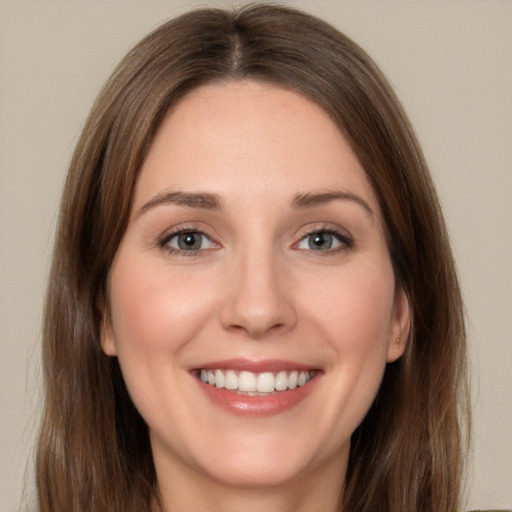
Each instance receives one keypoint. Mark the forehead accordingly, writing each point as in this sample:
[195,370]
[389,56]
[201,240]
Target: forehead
[249,138]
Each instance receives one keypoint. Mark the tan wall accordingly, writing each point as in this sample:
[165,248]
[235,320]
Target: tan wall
[451,62]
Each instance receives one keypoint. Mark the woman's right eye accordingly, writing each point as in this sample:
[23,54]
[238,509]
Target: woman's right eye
[188,241]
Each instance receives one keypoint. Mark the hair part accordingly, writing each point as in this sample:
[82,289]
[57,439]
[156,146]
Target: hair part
[94,451]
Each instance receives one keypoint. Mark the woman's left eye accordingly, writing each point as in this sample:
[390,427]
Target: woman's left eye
[188,241]
[324,241]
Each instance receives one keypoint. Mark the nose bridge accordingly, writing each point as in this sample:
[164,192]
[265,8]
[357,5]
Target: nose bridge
[257,300]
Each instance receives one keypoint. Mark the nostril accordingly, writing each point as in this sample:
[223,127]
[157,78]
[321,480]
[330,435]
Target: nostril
[257,306]
[257,332]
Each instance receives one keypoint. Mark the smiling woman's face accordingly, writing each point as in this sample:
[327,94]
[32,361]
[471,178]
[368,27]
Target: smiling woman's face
[255,260]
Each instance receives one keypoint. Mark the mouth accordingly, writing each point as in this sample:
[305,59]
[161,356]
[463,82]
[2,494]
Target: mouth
[255,384]
[256,388]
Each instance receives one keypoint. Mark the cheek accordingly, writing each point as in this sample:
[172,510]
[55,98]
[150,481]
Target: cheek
[155,314]
[154,310]
[355,308]
[354,312]
[348,315]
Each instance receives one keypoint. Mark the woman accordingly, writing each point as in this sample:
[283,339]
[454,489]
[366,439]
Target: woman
[253,303]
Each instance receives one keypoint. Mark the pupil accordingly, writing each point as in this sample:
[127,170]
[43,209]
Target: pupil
[189,241]
[321,240]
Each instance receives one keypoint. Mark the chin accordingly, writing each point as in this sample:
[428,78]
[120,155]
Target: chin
[265,472]
[265,462]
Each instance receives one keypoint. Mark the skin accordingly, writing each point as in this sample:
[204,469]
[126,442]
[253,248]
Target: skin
[255,289]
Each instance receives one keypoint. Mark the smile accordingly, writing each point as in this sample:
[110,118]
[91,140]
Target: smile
[255,384]
[256,388]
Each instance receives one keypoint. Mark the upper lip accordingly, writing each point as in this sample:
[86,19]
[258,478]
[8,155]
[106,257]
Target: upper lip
[254,366]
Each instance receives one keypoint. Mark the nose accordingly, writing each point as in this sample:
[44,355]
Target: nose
[258,297]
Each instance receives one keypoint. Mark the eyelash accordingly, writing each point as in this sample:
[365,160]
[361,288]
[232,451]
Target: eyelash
[163,243]
[345,240]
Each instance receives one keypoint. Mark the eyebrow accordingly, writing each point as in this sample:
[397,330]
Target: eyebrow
[311,199]
[210,201]
[204,200]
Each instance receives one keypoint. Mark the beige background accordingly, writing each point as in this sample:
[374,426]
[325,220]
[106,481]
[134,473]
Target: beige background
[451,62]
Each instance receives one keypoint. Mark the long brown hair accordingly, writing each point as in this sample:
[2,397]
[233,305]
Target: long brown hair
[94,452]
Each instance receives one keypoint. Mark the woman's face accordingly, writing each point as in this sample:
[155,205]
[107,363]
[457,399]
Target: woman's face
[255,260]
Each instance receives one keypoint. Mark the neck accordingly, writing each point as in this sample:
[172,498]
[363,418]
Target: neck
[189,491]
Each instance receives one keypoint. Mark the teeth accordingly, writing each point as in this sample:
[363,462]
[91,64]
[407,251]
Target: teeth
[254,383]
[219,379]
[281,381]
[265,383]
[292,380]
[246,381]
[231,381]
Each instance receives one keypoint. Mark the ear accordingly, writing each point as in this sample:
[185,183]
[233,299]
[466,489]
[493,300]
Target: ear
[108,344]
[400,326]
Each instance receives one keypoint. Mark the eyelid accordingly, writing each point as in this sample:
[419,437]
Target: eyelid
[164,239]
[344,238]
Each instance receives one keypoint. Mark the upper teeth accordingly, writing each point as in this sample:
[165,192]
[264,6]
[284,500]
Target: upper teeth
[265,382]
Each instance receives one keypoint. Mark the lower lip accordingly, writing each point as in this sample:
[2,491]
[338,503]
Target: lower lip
[267,405]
